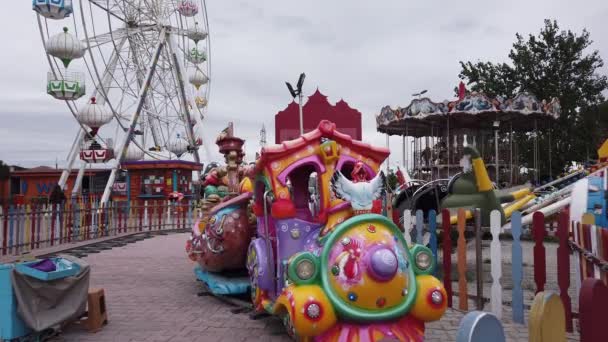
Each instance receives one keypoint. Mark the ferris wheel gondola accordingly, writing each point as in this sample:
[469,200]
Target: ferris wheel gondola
[135,56]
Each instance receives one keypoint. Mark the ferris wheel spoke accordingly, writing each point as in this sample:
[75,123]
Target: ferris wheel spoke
[180,83]
[104,5]
[127,137]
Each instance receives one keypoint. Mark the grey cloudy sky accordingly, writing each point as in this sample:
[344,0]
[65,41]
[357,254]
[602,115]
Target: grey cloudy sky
[371,53]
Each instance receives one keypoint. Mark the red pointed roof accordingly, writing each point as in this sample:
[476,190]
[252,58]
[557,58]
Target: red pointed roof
[317,108]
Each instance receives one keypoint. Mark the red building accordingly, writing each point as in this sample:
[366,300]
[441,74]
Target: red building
[317,108]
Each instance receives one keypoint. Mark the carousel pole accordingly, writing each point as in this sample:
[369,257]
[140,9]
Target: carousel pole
[511,151]
[447,145]
[388,158]
[550,170]
[535,152]
[407,148]
[496,169]
[403,149]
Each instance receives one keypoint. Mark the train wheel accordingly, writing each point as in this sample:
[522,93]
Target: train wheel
[289,328]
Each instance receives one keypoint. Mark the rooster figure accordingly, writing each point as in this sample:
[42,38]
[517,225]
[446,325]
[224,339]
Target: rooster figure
[361,194]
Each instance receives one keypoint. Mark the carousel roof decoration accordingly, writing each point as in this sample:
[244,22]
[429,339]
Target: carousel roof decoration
[178,146]
[196,34]
[53,9]
[474,111]
[196,56]
[94,115]
[198,78]
[65,46]
[65,85]
[187,8]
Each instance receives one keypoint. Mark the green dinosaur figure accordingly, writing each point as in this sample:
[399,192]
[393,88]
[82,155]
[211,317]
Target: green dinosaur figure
[473,189]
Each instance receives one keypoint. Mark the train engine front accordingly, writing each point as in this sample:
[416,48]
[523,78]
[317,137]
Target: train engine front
[325,260]
[362,283]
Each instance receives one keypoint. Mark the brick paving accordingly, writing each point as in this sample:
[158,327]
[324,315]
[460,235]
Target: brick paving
[151,295]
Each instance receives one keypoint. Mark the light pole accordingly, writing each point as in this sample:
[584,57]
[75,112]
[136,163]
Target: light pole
[298,92]
[420,93]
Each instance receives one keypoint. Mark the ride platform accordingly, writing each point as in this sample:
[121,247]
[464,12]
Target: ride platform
[223,284]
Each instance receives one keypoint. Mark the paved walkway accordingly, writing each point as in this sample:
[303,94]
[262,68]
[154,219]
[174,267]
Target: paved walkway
[151,295]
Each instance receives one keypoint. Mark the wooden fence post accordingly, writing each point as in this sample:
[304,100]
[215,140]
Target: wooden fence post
[478,261]
[496,264]
[517,269]
[4,216]
[593,300]
[407,226]
[419,226]
[540,268]
[447,254]
[433,236]
[463,301]
[563,267]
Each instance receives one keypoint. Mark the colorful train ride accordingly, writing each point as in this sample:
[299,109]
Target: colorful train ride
[324,259]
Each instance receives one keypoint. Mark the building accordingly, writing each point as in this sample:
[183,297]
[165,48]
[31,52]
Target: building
[317,108]
[154,179]
[29,186]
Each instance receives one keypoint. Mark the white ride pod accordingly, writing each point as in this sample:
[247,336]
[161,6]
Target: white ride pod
[53,9]
[196,34]
[65,85]
[178,146]
[65,46]
[198,78]
[94,115]
[196,56]
[187,8]
[133,153]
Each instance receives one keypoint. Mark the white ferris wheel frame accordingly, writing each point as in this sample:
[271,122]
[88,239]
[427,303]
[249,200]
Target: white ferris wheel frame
[119,37]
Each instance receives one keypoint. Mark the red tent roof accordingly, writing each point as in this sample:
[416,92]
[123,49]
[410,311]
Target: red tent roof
[317,108]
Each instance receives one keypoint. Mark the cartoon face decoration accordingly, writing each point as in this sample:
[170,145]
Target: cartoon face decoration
[362,260]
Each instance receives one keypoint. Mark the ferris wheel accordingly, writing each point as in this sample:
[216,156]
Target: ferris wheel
[121,66]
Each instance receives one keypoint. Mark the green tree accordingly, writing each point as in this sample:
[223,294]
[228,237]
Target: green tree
[554,63]
[4,171]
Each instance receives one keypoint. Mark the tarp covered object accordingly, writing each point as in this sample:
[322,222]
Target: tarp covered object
[43,304]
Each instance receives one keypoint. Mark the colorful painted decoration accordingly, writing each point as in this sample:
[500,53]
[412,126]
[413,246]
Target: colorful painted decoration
[66,86]
[94,115]
[96,155]
[478,326]
[198,78]
[178,146]
[187,8]
[65,46]
[196,34]
[196,56]
[53,9]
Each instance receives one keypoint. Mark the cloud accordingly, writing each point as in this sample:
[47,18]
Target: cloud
[370,54]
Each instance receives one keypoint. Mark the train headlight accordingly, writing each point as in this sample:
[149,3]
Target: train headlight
[423,260]
[305,269]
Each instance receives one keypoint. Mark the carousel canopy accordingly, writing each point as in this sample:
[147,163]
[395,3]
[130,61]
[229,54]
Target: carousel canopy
[474,111]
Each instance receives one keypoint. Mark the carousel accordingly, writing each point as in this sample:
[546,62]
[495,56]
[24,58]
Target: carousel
[438,132]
